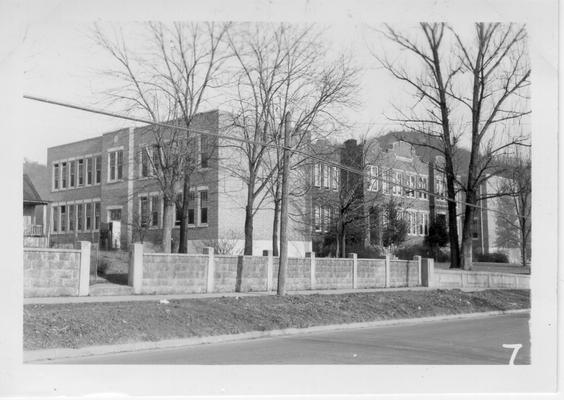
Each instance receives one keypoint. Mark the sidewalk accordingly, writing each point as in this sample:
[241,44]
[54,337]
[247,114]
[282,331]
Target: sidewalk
[157,297]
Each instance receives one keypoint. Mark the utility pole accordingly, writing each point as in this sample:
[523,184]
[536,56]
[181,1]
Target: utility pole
[283,261]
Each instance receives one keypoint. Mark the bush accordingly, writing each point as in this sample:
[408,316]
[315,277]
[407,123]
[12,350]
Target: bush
[492,257]
[408,252]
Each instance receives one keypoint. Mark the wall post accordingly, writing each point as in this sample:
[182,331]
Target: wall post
[312,265]
[269,268]
[428,272]
[135,276]
[354,270]
[418,260]
[84,272]
[387,271]
[210,271]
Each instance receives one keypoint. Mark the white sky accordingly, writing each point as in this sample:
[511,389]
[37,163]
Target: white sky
[62,62]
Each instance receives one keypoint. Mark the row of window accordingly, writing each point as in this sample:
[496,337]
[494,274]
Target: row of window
[326,176]
[76,217]
[398,183]
[417,221]
[76,173]
[150,157]
[150,209]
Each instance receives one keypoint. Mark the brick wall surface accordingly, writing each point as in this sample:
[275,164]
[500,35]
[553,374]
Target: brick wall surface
[49,272]
[477,279]
[174,273]
[334,273]
[371,273]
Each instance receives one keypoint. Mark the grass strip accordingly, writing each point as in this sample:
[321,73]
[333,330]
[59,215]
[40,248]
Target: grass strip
[88,324]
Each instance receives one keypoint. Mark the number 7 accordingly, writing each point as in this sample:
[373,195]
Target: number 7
[515,348]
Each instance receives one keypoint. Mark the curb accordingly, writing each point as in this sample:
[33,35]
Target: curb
[58,354]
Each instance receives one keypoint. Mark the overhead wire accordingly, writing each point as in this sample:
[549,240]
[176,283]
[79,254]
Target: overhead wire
[265,144]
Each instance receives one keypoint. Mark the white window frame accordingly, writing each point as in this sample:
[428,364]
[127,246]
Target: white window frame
[115,151]
[373,184]
[317,175]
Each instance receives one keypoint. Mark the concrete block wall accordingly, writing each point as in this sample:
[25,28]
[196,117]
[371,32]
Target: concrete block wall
[252,272]
[334,273]
[371,273]
[403,273]
[298,274]
[444,279]
[225,273]
[56,272]
[174,273]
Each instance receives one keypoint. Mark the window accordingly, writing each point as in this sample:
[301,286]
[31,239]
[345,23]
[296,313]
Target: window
[63,218]
[398,179]
[149,155]
[115,161]
[72,180]
[56,218]
[317,218]
[204,207]
[114,214]
[335,179]
[475,228]
[89,171]
[373,184]
[56,176]
[205,151]
[422,185]
[80,217]
[88,216]
[144,211]
[97,215]
[72,217]
[326,170]
[155,211]
[64,175]
[326,218]
[412,186]
[191,209]
[98,161]
[178,207]
[80,172]
[317,175]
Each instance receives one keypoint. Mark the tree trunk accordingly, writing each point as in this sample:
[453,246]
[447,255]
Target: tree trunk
[275,224]
[452,223]
[467,230]
[183,241]
[168,206]
[343,244]
[248,250]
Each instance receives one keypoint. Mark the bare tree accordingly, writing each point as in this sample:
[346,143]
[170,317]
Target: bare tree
[514,225]
[168,82]
[430,118]
[497,62]
[282,69]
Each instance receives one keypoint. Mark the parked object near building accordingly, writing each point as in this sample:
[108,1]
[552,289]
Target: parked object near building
[35,228]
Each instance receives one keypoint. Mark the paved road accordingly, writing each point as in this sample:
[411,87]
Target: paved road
[469,341]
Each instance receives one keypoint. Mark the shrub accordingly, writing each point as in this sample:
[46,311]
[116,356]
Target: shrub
[492,257]
[102,267]
[408,252]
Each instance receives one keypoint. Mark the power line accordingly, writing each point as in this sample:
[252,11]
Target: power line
[265,144]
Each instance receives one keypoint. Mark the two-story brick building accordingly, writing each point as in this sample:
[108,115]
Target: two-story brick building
[110,179]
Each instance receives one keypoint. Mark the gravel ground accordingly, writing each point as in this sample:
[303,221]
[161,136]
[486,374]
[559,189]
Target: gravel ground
[87,324]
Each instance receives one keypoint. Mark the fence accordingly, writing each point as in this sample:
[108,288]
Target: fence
[56,272]
[450,279]
[158,273]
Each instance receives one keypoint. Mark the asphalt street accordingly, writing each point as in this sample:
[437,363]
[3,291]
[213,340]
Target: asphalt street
[466,341]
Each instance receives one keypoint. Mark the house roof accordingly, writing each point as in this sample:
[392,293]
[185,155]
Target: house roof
[30,195]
